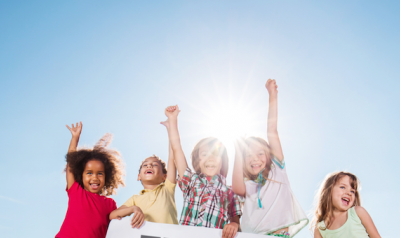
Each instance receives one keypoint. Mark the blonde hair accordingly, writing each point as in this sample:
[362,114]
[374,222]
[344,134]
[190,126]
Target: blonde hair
[264,144]
[214,145]
[323,198]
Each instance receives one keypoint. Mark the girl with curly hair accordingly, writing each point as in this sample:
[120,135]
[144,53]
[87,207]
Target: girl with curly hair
[338,211]
[92,174]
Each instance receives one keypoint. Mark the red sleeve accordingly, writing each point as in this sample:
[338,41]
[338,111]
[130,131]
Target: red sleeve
[113,205]
[75,186]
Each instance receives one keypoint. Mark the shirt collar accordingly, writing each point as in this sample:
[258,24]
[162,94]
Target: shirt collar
[149,190]
[218,178]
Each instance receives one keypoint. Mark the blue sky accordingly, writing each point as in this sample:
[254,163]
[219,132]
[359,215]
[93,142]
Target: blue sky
[115,66]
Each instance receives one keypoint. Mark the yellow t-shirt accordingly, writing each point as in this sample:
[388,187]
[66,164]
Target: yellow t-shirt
[158,205]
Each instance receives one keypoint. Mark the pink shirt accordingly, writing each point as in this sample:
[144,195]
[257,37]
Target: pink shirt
[87,214]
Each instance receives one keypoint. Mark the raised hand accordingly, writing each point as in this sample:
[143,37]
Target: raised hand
[172,111]
[271,86]
[75,130]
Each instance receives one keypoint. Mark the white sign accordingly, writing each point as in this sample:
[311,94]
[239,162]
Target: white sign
[122,229]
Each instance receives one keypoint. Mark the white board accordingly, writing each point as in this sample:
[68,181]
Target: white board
[122,229]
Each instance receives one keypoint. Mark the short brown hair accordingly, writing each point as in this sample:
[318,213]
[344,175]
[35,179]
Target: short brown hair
[264,144]
[323,199]
[163,165]
[111,159]
[214,143]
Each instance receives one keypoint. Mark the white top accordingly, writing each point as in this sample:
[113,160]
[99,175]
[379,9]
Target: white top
[280,207]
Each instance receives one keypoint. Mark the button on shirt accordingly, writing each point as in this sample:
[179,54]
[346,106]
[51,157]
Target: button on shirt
[207,203]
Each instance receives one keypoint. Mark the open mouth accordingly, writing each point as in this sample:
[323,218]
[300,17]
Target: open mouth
[345,201]
[94,186]
[256,166]
[210,166]
[149,171]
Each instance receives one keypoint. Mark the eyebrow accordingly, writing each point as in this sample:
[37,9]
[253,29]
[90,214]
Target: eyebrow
[89,170]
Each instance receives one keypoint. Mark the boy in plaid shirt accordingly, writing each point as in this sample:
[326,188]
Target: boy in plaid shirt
[208,201]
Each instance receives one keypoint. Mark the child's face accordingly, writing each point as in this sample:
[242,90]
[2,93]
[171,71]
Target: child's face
[210,160]
[256,159]
[151,172]
[343,195]
[94,176]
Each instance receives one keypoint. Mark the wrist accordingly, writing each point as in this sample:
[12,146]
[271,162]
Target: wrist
[273,95]
[172,119]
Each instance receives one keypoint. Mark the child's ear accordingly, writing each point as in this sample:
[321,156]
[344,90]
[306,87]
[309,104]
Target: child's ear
[138,177]
[165,176]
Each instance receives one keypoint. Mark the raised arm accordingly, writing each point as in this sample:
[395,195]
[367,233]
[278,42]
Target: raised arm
[171,168]
[173,134]
[238,185]
[76,133]
[367,222]
[272,125]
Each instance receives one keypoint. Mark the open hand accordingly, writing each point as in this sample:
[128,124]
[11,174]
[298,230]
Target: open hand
[138,217]
[172,111]
[230,230]
[75,130]
[271,86]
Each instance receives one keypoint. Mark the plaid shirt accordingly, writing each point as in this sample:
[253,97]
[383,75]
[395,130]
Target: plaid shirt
[207,204]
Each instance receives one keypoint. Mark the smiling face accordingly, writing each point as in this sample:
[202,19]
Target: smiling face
[94,177]
[343,195]
[256,158]
[151,172]
[210,161]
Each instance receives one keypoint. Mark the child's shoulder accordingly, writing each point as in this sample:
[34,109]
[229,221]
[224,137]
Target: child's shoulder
[278,163]
[359,211]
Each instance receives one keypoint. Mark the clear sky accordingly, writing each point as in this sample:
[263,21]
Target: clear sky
[115,66]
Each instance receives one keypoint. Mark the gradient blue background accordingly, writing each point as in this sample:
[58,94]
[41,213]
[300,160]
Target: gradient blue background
[115,66]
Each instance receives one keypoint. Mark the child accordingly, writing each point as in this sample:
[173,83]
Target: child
[270,206]
[156,202]
[338,212]
[92,174]
[208,201]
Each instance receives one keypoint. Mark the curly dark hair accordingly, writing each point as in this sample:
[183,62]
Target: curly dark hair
[163,165]
[111,159]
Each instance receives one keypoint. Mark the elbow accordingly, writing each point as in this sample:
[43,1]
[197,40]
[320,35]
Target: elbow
[239,191]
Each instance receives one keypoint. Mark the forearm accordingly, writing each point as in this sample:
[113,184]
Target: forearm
[238,185]
[272,124]
[171,168]
[73,144]
[175,142]
[272,127]
[122,211]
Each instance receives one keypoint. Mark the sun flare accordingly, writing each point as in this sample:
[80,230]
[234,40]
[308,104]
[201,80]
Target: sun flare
[229,122]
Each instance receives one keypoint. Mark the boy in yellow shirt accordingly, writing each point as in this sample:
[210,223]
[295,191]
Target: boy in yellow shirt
[156,202]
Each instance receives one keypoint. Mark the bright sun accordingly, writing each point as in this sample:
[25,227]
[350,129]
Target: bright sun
[230,122]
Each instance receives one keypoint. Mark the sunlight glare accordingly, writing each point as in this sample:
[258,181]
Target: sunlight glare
[228,123]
